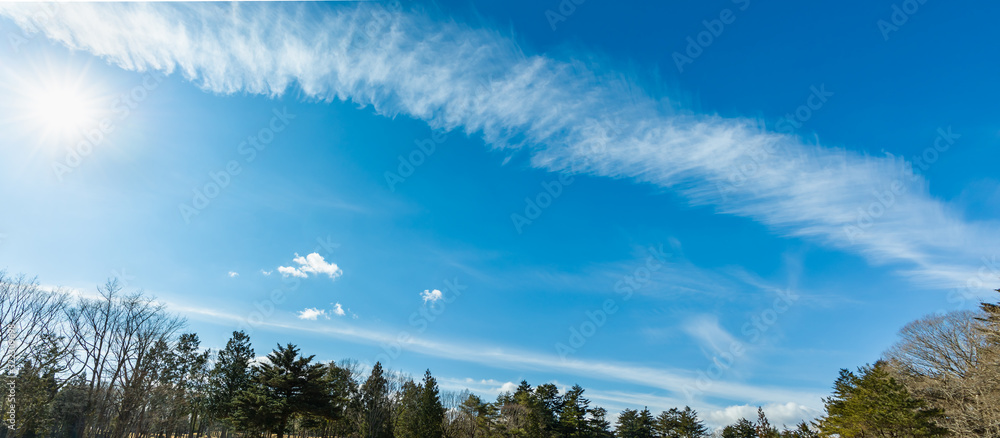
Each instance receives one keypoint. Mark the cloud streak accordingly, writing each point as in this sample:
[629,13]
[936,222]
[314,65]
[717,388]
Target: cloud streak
[568,116]
[672,381]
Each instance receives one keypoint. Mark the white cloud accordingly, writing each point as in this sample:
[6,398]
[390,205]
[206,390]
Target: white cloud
[507,387]
[311,264]
[779,414]
[675,381]
[233,274]
[707,331]
[491,387]
[431,295]
[312,313]
[338,310]
[480,82]
[266,273]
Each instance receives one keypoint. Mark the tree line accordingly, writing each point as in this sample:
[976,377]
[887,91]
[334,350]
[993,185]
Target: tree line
[119,365]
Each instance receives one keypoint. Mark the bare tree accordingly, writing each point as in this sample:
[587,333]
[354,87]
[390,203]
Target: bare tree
[940,346]
[941,358]
[115,336]
[28,315]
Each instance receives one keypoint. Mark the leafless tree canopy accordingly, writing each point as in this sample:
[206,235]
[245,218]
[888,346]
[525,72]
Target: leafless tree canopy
[950,360]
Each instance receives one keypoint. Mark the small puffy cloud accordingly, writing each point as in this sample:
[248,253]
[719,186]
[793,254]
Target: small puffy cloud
[260,360]
[233,274]
[266,273]
[431,295]
[288,270]
[779,414]
[338,310]
[311,264]
[508,387]
[312,314]
[490,386]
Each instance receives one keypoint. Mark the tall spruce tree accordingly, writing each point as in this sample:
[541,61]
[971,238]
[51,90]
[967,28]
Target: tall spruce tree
[573,416]
[407,424]
[375,408]
[230,376]
[431,410]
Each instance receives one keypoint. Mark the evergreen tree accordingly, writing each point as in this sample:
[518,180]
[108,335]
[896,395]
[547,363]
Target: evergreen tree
[873,404]
[474,417]
[676,423]
[375,408]
[743,428]
[342,388]
[431,412]
[408,411]
[801,431]
[763,427]
[194,379]
[36,388]
[294,385]
[255,411]
[545,407]
[598,425]
[230,377]
[635,424]
[573,416]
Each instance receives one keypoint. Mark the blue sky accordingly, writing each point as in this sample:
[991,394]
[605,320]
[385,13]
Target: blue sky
[710,207]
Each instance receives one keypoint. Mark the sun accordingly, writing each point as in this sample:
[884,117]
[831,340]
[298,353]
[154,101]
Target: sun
[57,104]
[61,109]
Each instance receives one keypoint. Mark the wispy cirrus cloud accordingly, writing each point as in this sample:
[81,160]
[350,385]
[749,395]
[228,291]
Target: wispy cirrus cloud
[706,330]
[673,381]
[570,117]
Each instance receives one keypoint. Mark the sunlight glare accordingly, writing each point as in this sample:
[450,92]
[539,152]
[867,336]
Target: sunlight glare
[61,110]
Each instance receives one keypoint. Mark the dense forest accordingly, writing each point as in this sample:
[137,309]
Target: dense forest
[119,365]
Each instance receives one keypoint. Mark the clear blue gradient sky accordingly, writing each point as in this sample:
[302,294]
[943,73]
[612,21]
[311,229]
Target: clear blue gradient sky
[717,204]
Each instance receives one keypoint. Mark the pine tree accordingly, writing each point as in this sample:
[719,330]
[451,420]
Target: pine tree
[341,387]
[294,386]
[230,377]
[545,406]
[635,424]
[431,410]
[873,404]
[801,431]
[375,407]
[598,425]
[194,374]
[743,428]
[676,423]
[763,427]
[408,411]
[573,416]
